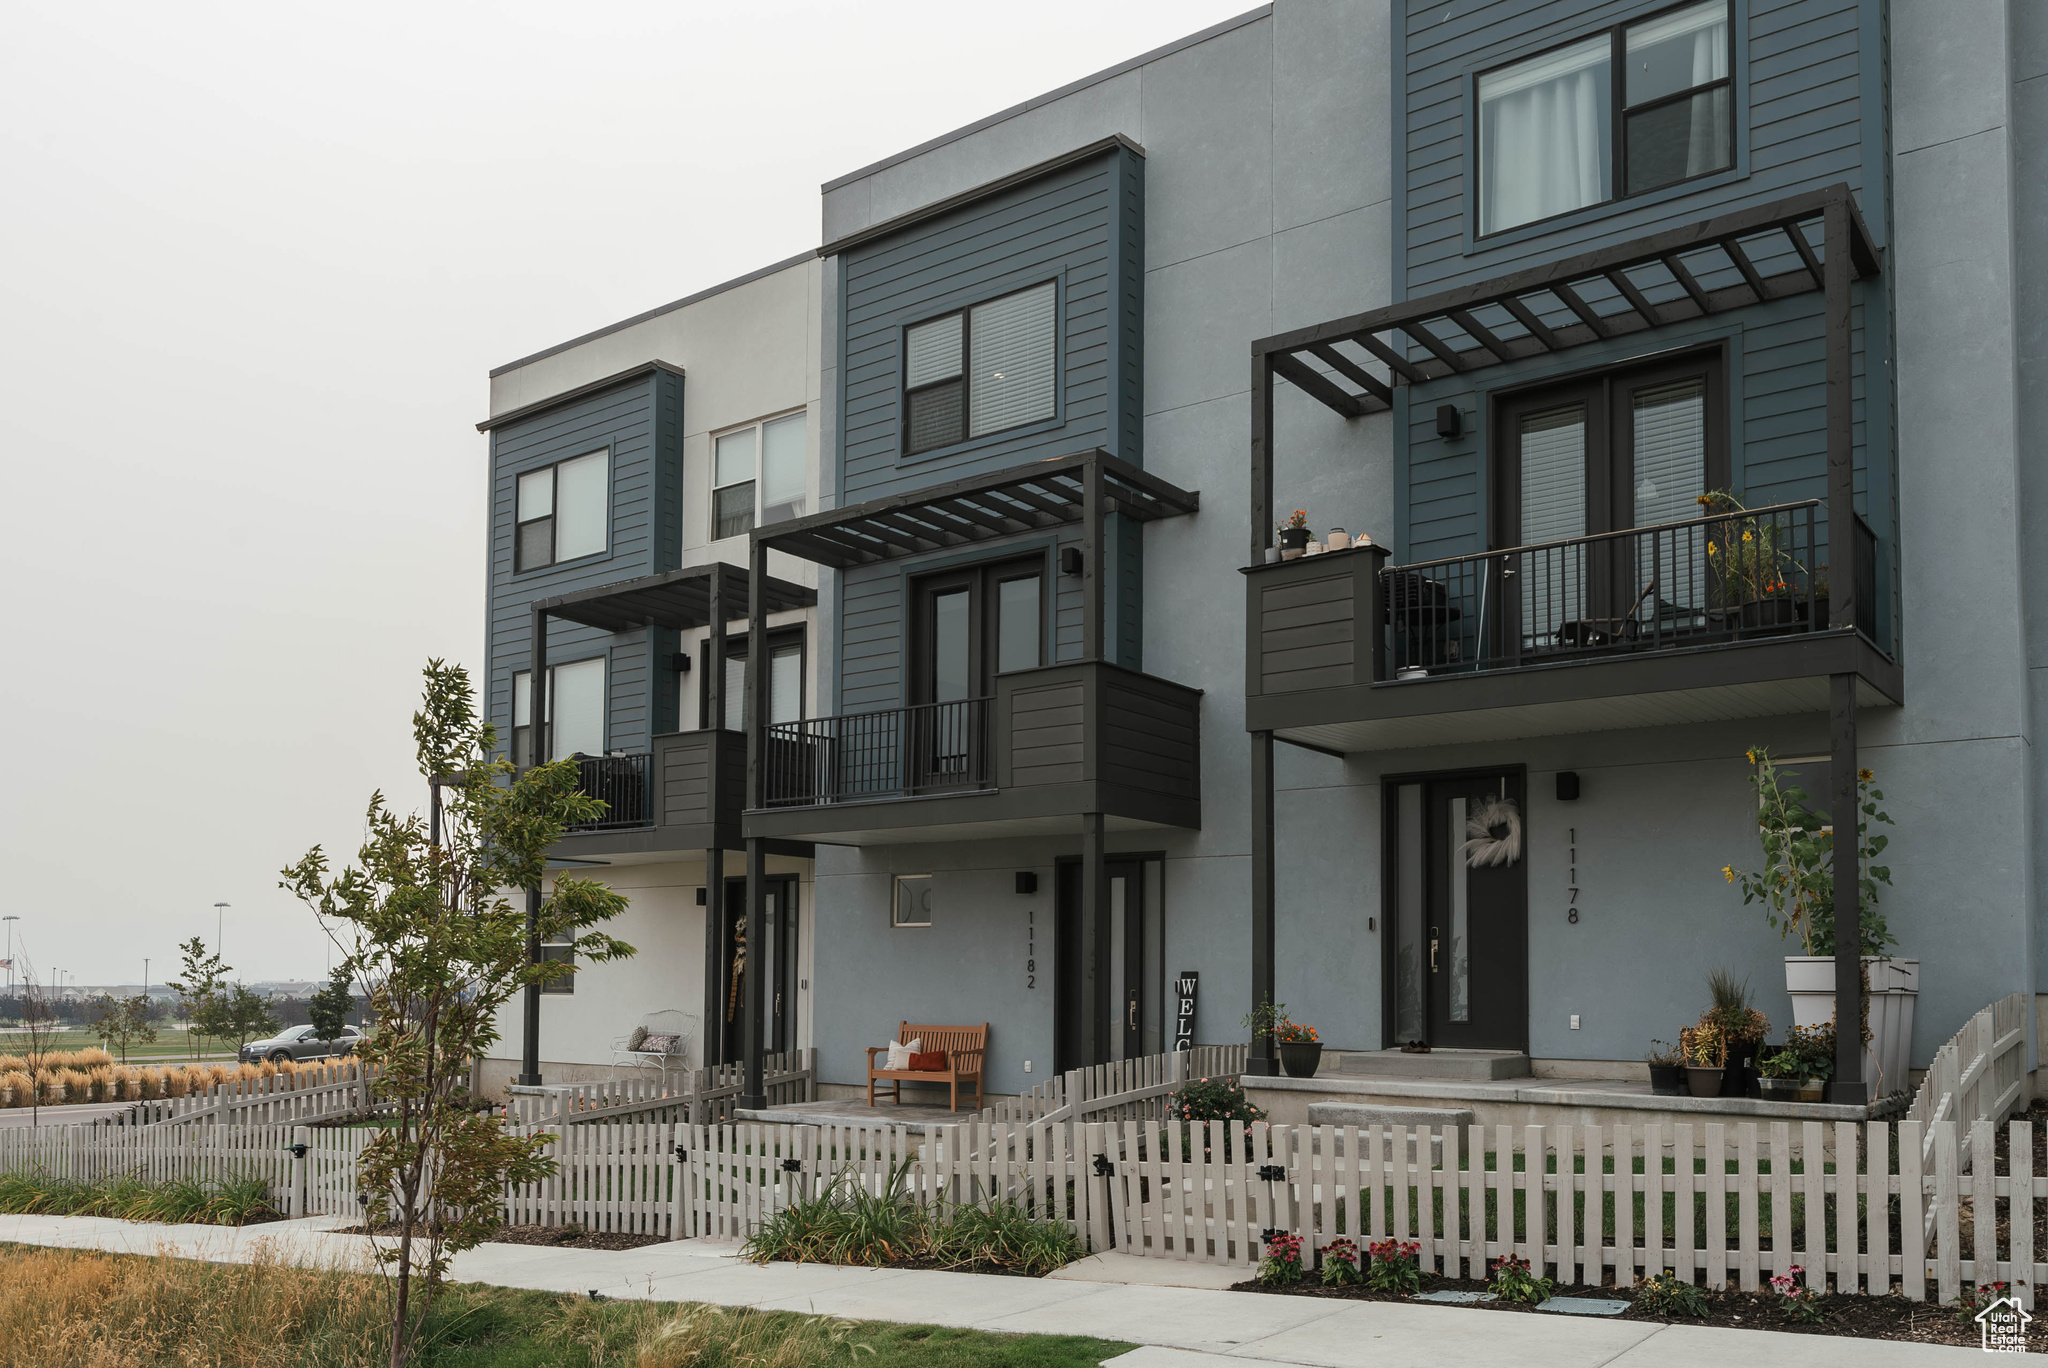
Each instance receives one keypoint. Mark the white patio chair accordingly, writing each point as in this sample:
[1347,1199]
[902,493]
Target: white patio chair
[661,1042]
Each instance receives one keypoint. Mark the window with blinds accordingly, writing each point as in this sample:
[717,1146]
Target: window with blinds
[785,682]
[562,512]
[1553,449]
[984,369]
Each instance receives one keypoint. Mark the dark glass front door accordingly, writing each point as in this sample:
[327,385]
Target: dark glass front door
[1458,899]
[1108,975]
[724,1036]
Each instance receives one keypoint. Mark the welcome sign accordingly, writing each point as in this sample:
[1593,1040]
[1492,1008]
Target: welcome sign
[1185,987]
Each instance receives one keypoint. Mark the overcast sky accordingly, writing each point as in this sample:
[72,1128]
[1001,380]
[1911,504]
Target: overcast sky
[257,262]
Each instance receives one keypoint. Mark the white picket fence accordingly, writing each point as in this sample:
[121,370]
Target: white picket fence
[340,1089]
[1981,1073]
[699,1097]
[1128,1089]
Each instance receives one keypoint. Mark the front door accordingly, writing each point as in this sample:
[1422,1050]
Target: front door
[1457,897]
[1108,979]
[725,1035]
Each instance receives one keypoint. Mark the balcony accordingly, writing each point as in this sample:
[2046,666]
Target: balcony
[686,792]
[1717,617]
[1051,744]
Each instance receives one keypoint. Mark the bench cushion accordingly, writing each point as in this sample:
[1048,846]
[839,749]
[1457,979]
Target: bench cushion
[928,1061]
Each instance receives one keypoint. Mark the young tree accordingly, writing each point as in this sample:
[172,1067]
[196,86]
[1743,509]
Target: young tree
[430,927]
[243,1014]
[40,1024]
[199,992]
[121,1022]
[328,1009]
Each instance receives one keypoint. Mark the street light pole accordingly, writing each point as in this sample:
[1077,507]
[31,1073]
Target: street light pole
[220,922]
[10,953]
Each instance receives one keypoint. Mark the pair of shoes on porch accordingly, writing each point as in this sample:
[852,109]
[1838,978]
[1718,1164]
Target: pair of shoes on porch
[1414,1047]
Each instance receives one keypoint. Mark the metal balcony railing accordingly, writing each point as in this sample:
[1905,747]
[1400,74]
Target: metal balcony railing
[622,782]
[1722,578]
[925,748]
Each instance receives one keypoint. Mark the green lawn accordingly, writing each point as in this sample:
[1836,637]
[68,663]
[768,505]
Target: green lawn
[172,1045]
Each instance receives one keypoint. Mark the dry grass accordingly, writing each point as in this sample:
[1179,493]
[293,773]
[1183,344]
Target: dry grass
[89,1310]
[93,1076]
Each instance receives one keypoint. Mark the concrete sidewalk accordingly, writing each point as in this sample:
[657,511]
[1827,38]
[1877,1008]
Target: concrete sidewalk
[1111,1296]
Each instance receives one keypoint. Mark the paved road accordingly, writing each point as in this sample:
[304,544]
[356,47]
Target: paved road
[1180,1327]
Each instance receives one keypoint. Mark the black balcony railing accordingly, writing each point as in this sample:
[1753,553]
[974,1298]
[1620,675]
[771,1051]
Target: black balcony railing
[1723,578]
[621,781]
[926,748]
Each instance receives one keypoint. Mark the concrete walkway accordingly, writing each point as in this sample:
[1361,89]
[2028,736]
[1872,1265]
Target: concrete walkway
[1111,1296]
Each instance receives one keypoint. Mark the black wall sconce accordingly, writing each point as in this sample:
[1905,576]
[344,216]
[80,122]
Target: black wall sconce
[1070,560]
[1027,881]
[1449,422]
[680,662]
[700,898]
[1567,786]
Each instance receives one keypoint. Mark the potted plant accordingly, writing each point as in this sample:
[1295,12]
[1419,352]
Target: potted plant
[1706,1058]
[1783,1075]
[1754,576]
[1299,1047]
[1294,535]
[1796,887]
[1813,1052]
[1667,1068]
[1742,1028]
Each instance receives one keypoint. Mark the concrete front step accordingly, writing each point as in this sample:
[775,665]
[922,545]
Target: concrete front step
[1380,1114]
[1458,1065]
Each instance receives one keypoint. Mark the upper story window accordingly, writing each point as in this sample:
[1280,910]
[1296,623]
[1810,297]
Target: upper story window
[563,511]
[1557,132]
[575,711]
[983,369]
[758,476]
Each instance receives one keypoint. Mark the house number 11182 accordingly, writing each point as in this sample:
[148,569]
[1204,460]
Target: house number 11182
[1572,908]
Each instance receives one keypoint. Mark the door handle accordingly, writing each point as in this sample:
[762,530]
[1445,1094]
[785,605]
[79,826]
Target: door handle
[1131,1017]
[1432,949]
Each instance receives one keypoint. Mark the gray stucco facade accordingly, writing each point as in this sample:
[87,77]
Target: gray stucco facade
[1308,161]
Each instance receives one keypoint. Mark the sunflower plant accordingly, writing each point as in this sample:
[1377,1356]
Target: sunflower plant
[1747,554]
[1797,883]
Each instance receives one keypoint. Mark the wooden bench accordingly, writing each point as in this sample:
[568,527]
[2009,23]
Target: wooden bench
[964,1046]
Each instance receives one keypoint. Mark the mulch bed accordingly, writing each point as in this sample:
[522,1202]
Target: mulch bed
[558,1237]
[1886,1318]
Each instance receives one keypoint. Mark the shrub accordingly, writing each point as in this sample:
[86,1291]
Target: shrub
[1212,1099]
[230,1201]
[1974,1302]
[1281,1267]
[1514,1281]
[1667,1294]
[1394,1267]
[16,1084]
[1340,1263]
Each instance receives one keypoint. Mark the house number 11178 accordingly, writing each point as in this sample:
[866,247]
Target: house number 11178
[1572,908]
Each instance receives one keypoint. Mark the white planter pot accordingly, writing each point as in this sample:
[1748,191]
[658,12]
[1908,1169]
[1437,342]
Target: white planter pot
[1894,989]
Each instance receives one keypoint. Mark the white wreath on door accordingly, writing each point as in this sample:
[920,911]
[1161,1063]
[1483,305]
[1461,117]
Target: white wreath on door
[1493,833]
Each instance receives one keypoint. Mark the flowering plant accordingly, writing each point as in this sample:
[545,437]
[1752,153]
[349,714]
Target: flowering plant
[1296,521]
[1973,1303]
[1294,1033]
[1667,1294]
[1795,1298]
[1340,1263]
[1748,561]
[1282,1265]
[1212,1099]
[1393,1267]
[1514,1281]
[1797,883]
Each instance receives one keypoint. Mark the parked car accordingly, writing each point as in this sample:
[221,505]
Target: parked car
[299,1042]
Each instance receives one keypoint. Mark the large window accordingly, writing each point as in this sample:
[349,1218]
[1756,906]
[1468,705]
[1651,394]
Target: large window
[983,369]
[563,511]
[575,709]
[1557,132]
[971,625]
[758,476]
[785,680]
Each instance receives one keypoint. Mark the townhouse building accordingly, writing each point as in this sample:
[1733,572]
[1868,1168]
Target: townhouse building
[1534,310]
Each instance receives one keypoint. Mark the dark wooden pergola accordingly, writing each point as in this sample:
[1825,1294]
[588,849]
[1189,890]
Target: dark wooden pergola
[1080,488]
[1357,365]
[694,596]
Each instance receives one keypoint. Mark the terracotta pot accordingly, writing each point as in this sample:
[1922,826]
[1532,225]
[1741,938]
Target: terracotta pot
[1300,1057]
[1704,1082]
